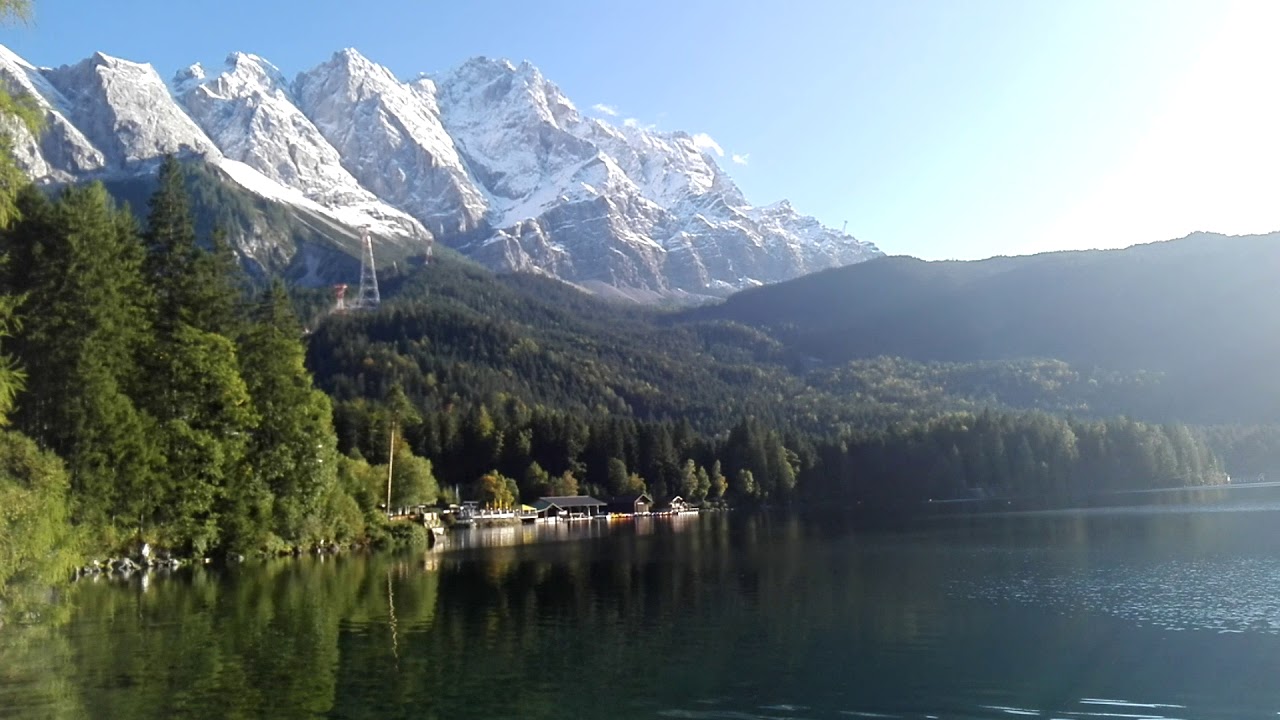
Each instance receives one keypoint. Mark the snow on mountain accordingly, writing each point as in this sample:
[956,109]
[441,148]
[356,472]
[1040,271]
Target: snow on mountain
[511,125]
[667,166]
[248,111]
[491,158]
[126,111]
[390,138]
[62,151]
[627,206]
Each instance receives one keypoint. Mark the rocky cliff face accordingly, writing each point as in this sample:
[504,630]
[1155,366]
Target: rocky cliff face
[490,158]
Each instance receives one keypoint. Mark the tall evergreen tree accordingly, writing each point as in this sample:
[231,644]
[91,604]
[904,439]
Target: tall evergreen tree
[198,286]
[172,252]
[206,425]
[291,454]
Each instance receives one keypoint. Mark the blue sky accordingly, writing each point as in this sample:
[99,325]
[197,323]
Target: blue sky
[958,129]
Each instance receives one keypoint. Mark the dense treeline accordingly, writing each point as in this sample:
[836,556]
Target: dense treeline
[993,455]
[176,398]
[953,456]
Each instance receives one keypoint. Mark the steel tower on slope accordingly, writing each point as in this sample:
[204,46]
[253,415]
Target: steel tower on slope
[368,299]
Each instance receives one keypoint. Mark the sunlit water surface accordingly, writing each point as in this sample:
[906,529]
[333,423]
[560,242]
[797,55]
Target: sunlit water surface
[1115,614]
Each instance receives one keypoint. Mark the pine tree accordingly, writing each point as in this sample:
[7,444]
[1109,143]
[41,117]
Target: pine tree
[617,477]
[704,485]
[172,252]
[718,484]
[688,480]
[291,455]
[203,288]
[206,424]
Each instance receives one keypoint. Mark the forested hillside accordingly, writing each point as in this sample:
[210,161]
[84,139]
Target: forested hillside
[1201,311]
[561,391]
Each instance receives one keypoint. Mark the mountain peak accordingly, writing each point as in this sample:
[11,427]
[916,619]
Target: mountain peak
[126,111]
[187,79]
[249,68]
[249,61]
[359,75]
[353,61]
[101,59]
[484,63]
[489,157]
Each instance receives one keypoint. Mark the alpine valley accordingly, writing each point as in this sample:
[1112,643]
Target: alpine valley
[490,159]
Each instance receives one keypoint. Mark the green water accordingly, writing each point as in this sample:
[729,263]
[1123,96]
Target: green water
[1107,614]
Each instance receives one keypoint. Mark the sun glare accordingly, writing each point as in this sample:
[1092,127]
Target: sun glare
[1210,159]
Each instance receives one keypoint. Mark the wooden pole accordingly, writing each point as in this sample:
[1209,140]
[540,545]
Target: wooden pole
[391,458]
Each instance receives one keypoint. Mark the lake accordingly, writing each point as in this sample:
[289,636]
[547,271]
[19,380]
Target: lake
[1148,613]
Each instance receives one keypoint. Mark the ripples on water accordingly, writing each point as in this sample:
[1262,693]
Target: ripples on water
[1083,708]
[1226,595]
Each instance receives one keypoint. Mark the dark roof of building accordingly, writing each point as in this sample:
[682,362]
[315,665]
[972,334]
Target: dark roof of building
[629,499]
[571,501]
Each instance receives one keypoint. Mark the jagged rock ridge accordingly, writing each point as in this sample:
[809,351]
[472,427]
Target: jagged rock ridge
[490,158]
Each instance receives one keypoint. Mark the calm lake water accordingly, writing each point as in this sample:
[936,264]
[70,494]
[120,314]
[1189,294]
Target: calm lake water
[1121,614]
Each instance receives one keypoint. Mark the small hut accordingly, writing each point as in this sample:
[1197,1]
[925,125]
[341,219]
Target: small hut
[631,504]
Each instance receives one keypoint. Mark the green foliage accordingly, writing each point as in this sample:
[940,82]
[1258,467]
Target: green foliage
[536,482]
[363,483]
[35,533]
[718,485]
[493,490]
[412,482]
[12,377]
[18,113]
[77,262]
[406,534]
[618,477]
[185,416]
[291,453]
[989,455]
[342,516]
[564,486]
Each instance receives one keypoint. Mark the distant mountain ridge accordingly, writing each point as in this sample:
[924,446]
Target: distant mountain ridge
[489,158]
[1203,309]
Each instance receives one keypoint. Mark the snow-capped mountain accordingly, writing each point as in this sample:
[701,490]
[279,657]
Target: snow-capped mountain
[250,114]
[490,158]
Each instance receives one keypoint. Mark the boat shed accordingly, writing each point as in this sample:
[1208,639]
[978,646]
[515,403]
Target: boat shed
[569,506]
[631,504]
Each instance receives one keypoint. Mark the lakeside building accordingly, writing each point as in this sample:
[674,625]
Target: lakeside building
[569,506]
[631,504]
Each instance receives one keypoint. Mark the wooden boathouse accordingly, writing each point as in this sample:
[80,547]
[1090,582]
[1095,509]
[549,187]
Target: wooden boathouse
[569,506]
[631,504]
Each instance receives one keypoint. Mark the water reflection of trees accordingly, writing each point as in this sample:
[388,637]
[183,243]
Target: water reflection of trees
[673,608]
[257,641]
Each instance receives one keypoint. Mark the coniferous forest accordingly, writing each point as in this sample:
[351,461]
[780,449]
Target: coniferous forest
[157,392]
